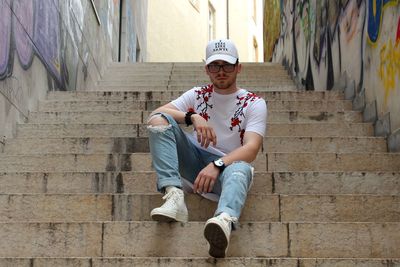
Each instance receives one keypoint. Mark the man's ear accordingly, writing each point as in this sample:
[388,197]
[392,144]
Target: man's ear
[206,69]
[239,68]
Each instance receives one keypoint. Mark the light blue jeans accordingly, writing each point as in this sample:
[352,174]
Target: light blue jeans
[174,156]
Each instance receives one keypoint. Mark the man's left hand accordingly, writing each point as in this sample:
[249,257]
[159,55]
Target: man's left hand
[206,179]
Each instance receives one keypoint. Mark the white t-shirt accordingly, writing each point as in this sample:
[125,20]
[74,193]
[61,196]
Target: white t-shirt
[229,115]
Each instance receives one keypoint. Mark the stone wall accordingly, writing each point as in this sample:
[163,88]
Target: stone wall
[349,45]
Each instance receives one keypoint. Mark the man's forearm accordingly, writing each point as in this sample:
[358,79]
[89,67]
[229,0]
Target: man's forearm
[179,116]
[243,153]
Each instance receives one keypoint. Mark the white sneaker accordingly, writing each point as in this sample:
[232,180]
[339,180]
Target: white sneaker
[174,209]
[217,231]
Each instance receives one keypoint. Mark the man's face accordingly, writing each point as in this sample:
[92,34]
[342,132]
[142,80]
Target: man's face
[223,74]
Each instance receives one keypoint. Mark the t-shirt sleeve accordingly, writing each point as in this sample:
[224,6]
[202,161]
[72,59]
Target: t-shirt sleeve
[257,117]
[185,101]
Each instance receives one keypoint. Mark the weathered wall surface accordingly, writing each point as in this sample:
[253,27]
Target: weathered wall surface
[179,31]
[136,24]
[350,45]
[51,45]
[272,28]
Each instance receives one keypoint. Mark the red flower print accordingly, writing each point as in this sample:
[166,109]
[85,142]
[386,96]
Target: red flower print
[204,94]
[235,122]
[205,116]
[242,104]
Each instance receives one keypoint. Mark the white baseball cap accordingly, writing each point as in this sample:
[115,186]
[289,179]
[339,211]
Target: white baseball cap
[221,49]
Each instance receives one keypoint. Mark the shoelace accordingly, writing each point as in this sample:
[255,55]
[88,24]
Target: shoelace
[172,195]
[232,221]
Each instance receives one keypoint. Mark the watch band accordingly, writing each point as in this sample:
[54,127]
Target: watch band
[188,119]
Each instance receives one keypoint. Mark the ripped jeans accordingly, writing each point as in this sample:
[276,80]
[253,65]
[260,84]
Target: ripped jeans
[174,156]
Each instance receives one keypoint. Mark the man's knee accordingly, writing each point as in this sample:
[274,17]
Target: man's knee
[241,170]
[157,121]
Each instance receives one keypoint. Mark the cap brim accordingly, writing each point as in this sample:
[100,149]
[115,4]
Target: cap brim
[227,58]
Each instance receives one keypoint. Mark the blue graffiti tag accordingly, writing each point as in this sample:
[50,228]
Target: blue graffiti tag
[375,10]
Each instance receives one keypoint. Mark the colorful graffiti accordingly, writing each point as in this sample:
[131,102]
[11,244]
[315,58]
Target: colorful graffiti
[318,30]
[375,15]
[32,28]
[5,40]
[23,26]
[47,36]
[271,23]
[328,41]
[347,45]
[390,65]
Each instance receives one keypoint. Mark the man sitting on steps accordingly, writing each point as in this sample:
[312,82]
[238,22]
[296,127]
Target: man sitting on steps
[229,126]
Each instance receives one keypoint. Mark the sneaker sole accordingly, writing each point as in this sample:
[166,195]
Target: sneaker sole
[217,240]
[162,217]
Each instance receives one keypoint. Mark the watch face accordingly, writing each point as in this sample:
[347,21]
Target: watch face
[219,163]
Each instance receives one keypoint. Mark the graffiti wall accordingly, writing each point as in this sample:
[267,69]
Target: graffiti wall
[349,45]
[51,45]
[271,26]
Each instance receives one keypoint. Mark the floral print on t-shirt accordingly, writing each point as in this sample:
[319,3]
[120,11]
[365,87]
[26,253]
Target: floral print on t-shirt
[205,93]
[238,116]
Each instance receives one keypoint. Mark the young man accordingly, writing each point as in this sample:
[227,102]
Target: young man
[229,126]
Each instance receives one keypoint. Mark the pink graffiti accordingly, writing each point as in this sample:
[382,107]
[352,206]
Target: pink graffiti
[23,30]
[398,32]
[5,40]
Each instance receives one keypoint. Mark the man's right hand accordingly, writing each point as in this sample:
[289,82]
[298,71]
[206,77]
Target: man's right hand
[205,133]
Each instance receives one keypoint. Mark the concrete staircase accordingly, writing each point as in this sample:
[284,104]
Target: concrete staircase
[76,184]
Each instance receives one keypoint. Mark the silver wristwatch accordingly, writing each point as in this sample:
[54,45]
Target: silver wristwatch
[219,163]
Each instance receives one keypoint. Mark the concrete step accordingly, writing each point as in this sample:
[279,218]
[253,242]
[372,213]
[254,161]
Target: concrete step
[127,207]
[325,144]
[187,66]
[144,65]
[340,129]
[278,162]
[192,77]
[27,130]
[198,71]
[385,183]
[280,81]
[241,78]
[144,239]
[286,183]
[196,262]
[110,182]
[245,69]
[158,88]
[170,95]
[76,145]
[273,162]
[189,83]
[78,130]
[76,162]
[258,207]
[138,116]
[120,105]
[92,117]
[87,145]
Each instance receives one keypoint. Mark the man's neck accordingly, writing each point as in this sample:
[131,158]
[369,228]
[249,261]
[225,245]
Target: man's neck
[226,91]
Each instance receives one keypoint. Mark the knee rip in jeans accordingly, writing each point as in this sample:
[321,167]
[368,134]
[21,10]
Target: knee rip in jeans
[158,128]
[239,173]
[242,175]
